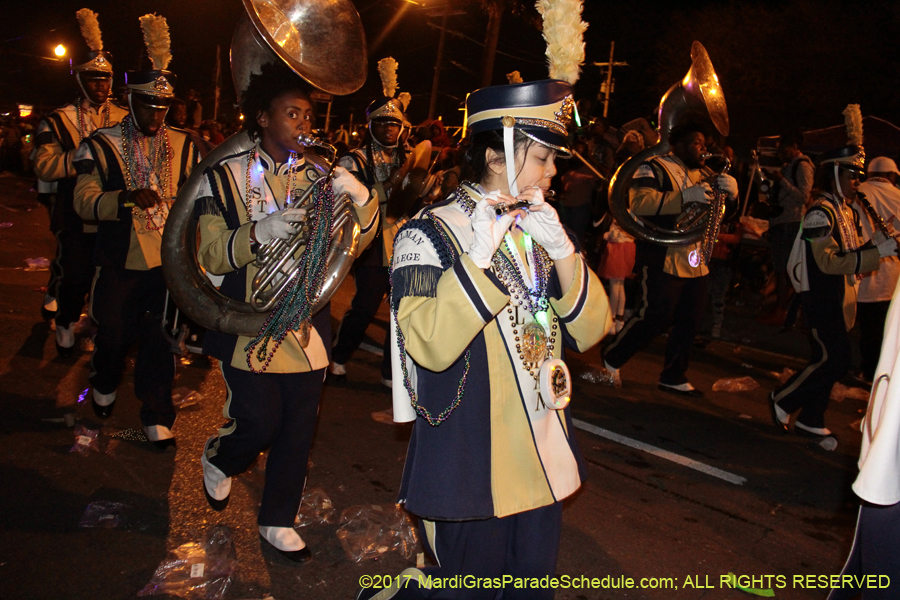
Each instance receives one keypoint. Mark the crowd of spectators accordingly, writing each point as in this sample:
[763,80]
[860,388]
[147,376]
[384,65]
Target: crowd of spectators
[16,143]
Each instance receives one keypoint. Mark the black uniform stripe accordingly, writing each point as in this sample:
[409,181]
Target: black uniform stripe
[186,153]
[227,198]
[230,248]
[472,291]
[582,297]
[375,219]
[61,131]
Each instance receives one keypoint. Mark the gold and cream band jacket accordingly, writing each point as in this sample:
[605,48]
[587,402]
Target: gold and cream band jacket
[123,237]
[833,259]
[227,251]
[500,452]
[358,163]
[656,194]
[56,143]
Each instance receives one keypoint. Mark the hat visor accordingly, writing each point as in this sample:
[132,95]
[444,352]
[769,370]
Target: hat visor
[95,74]
[560,143]
[856,171]
[151,100]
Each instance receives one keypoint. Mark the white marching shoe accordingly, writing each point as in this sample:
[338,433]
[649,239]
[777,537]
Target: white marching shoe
[216,485]
[287,541]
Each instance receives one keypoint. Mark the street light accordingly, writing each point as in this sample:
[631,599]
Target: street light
[60,50]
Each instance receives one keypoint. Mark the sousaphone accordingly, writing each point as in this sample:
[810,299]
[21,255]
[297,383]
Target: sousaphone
[324,43]
[698,91]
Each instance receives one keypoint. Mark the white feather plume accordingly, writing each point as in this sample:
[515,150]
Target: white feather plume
[156,38]
[854,123]
[564,34]
[90,29]
[514,77]
[387,70]
[404,98]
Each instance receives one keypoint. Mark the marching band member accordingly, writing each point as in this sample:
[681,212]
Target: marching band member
[272,392]
[128,175]
[482,309]
[876,545]
[876,289]
[675,277]
[823,266]
[58,137]
[380,165]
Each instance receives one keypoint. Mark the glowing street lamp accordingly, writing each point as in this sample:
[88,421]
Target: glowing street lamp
[60,51]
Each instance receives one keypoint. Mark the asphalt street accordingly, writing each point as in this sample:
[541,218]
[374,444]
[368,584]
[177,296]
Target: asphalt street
[681,492]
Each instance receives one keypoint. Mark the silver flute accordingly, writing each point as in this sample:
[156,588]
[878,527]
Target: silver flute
[503,208]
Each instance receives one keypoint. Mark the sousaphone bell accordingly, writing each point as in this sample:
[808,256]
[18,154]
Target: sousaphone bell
[699,90]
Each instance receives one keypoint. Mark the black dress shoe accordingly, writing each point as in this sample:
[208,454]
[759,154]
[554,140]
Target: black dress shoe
[783,427]
[691,393]
[216,505]
[101,411]
[47,315]
[163,445]
[64,352]
[297,556]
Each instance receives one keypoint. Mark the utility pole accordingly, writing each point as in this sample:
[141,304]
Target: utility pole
[432,103]
[606,89]
[438,62]
[218,79]
[495,17]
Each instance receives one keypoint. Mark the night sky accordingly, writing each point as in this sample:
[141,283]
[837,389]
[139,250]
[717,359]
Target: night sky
[793,63]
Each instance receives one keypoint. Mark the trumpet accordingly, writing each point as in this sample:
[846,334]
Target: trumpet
[503,208]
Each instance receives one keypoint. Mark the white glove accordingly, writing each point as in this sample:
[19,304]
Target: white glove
[887,247]
[728,184]
[345,183]
[279,224]
[700,193]
[542,223]
[489,231]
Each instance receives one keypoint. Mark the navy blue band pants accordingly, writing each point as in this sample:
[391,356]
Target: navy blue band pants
[275,412]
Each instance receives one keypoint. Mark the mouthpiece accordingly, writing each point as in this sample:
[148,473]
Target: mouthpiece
[308,140]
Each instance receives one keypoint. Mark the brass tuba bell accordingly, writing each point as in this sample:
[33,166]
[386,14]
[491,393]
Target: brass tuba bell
[323,42]
[698,90]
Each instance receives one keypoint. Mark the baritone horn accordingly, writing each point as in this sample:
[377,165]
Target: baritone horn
[324,43]
[277,260]
[698,91]
[695,212]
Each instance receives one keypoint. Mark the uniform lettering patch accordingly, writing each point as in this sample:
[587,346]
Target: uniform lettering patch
[815,219]
[410,234]
[407,257]
[412,247]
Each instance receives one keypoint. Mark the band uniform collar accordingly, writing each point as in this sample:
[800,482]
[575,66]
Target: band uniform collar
[268,163]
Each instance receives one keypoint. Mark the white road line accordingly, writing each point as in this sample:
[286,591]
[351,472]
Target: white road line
[676,458]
